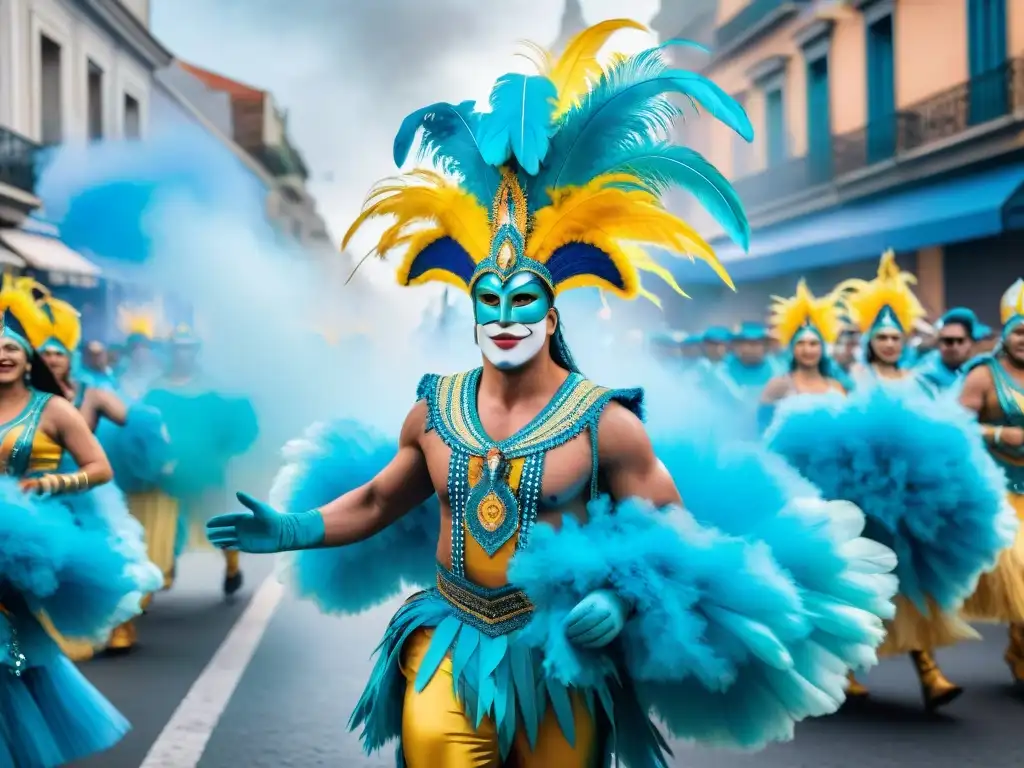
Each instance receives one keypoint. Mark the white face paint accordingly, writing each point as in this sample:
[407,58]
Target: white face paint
[511,346]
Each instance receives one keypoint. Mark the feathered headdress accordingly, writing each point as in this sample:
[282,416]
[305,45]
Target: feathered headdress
[21,318]
[137,323]
[561,178]
[805,311]
[63,329]
[886,301]
[1011,308]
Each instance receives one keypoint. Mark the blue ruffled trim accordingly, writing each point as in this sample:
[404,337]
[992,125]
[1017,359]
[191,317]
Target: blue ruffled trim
[726,644]
[140,451]
[330,460]
[918,469]
[53,716]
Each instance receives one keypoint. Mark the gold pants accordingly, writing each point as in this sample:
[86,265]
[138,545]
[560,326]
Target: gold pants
[910,630]
[436,731]
[1000,594]
[158,514]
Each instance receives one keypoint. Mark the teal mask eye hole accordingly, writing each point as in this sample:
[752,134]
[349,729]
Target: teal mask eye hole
[489,299]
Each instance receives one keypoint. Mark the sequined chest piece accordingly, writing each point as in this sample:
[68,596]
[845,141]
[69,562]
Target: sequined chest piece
[494,487]
[1011,401]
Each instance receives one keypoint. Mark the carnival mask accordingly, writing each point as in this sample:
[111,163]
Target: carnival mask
[511,318]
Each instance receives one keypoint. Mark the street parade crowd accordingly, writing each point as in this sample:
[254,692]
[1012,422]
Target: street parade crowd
[596,579]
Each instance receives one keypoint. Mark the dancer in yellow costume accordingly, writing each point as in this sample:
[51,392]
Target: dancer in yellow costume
[994,389]
[56,338]
[571,596]
[913,464]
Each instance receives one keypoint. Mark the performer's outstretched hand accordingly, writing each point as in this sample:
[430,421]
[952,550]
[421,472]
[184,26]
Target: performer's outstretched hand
[264,530]
[596,620]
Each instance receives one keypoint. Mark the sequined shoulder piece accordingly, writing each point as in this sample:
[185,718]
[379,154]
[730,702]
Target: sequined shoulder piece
[578,404]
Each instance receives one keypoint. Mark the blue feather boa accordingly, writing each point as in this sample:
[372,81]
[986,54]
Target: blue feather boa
[330,460]
[918,469]
[731,642]
[140,451]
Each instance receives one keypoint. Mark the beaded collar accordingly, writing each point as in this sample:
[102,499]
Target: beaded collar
[491,510]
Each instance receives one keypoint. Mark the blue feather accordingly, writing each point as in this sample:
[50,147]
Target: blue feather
[520,123]
[449,140]
[628,103]
[663,165]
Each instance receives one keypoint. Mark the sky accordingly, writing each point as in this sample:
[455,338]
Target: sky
[348,71]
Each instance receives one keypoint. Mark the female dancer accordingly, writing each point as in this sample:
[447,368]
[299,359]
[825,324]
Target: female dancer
[58,338]
[806,326]
[915,466]
[51,566]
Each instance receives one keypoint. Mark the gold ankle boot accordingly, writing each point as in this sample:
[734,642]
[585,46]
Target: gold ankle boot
[1015,653]
[123,638]
[855,689]
[935,688]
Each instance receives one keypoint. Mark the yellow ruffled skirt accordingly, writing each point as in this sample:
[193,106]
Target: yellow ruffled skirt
[158,514]
[999,597]
[910,630]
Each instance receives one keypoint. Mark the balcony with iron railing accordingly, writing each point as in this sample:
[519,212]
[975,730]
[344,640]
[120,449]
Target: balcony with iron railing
[17,160]
[942,117]
[753,20]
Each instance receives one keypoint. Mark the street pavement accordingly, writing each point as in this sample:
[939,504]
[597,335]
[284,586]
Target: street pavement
[291,705]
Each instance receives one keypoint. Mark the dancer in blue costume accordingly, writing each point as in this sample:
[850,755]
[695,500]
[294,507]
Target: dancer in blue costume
[914,464]
[958,331]
[807,326]
[55,566]
[56,340]
[994,390]
[208,428]
[572,598]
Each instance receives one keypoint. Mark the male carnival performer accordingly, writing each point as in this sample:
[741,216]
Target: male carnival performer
[913,463]
[958,331]
[559,619]
[994,389]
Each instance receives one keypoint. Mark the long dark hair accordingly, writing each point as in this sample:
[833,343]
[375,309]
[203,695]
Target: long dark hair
[41,378]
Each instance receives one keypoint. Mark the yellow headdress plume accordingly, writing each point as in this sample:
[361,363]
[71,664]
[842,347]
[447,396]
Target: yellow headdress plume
[886,301]
[562,178]
[789,316]
[1012,305]
[137,321]
[64,331]
[22,318]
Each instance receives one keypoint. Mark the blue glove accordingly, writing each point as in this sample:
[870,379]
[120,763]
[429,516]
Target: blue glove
[596,620]
[265,530]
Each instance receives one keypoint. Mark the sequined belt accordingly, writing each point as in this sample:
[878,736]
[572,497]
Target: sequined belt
[493,611]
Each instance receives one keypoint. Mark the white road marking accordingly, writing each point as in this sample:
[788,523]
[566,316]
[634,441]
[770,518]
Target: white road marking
[183,740]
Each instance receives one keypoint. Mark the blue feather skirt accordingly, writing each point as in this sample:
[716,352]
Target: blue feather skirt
[750,606]
[49,713]
[139,452]
[928,487]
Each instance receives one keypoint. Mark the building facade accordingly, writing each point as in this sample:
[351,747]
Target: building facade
[878,123]
[253,120]
[70,71]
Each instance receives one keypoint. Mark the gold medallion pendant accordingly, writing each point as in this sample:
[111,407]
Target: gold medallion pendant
[493,511]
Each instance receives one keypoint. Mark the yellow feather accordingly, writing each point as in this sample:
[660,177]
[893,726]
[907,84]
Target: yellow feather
[792,314]
[609,217]
[575,70]
[67,324]
[423,198]
[865,299]
[17,297]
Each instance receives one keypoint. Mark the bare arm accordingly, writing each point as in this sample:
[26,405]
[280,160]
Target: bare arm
[775,390]
[398,488]
[976,386]
[64,424]
[109,406]
[627,459]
